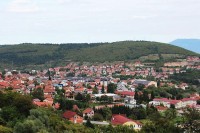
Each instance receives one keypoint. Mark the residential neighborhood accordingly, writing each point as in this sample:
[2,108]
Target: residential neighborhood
[92,89]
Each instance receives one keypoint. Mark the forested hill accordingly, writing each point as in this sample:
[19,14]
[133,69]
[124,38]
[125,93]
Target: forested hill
[30,54]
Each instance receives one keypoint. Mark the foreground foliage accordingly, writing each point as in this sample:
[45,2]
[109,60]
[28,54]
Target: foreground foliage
[18,115]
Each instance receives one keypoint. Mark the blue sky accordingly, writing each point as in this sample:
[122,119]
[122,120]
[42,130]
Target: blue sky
[67,21]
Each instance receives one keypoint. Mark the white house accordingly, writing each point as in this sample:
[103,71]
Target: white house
[88,112]
[189,102]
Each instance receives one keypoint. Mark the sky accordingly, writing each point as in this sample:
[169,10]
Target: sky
[76,21]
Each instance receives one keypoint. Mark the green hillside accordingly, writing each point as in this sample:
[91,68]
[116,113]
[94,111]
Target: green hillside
[35,54]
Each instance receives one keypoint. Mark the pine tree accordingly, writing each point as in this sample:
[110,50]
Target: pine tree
[136,96]
[103,90]
[95,90]
[152,95]
[89,124]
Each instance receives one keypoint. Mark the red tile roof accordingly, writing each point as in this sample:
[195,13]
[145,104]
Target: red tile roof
[125,93]
[174,101]
[42,104]
[57,106]
[167,100]
[161,108]
[120,120]
[88,110]
[68,114]
[188,99]
[4,84]
[161,99]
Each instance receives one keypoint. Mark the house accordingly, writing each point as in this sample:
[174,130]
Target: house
[4,84]
[125,93]
[80,90]
[161,108]
[49,91]
[73,117]
[115,97]
[167,102]
[177,103]
[130,100]
[42,104]
[189,102]
[176,64]
[123,120]
[121,86]
[89,91]
[88,112]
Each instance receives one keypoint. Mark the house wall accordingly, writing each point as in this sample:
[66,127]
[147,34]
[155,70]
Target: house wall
[76,119]
[185,103]
[178,105]
[91,114]
[133,124]
[153,83]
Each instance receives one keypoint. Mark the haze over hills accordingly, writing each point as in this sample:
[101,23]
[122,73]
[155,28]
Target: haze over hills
[31,54]
[190,44]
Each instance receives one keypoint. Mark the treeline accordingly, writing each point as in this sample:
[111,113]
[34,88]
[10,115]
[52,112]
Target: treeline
[190,76]
[31,54]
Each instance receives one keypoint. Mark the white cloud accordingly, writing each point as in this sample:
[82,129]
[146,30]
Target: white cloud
[23,6]
[99,20]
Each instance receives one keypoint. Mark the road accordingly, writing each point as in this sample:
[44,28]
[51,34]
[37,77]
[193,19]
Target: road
[97,122]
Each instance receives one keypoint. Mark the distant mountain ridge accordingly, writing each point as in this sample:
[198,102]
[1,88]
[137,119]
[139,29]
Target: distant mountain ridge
[190,44]
[35,54]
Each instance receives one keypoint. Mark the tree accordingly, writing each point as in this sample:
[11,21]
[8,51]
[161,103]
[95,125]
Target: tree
[23,103]
[149,127]
[158,83]
[41,120]
[192,120]
[5,129]
[98,117]
[145,96]
[102,89]
[87,98]
[110,99]
[95,90]
[89,124]
[36,83]
[198,102]
[28,126]
[170,114]
[104,98]
[172,106]
[38,93]
[140,87]
[152,95]
[71,74]
[106,113]
[151,110]
[161,125]
[111,88]
[9,113]
[179,97]
[62,103]
[136,96]
[79,97]
[60,92]
[7,98]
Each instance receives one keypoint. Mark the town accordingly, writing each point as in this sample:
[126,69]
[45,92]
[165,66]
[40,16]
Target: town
[103,92]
